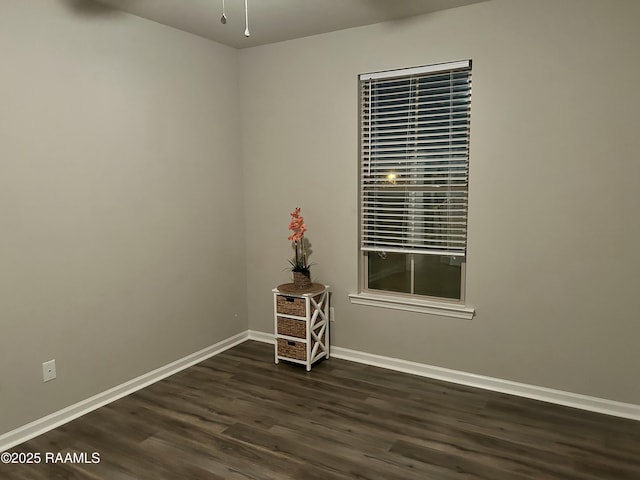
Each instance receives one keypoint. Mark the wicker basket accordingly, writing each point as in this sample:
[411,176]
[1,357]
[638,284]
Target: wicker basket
[291,306]
[291,327]
[292,349]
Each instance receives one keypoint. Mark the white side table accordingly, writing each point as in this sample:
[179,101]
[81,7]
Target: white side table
[301,323]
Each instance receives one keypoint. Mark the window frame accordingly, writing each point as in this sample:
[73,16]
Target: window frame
[452,307]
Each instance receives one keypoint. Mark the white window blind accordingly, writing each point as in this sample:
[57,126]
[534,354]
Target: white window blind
[414,151]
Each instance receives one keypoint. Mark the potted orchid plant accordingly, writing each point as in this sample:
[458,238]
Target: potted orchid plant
[300,267]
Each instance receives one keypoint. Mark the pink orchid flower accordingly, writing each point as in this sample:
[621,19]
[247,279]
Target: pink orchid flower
[298,229]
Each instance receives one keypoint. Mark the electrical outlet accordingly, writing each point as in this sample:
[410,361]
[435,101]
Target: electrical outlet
[49,370]
[332,314]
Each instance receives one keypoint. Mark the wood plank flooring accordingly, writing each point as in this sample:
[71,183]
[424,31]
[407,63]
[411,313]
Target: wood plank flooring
[240,416]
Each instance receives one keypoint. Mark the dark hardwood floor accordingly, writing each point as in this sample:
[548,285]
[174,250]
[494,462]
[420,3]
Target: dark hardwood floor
[240,416]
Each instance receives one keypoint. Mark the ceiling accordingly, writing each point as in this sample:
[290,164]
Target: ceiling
[269,20]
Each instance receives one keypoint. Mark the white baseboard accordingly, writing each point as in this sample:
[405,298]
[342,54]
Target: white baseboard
[560,397]
[43,425]
[261,336]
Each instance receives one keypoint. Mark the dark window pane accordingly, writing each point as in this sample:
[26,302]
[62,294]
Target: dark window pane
[438,276]
[390,272]
[434,275]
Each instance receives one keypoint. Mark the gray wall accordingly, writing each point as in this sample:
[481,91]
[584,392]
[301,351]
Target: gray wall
[553,227]
[121,245]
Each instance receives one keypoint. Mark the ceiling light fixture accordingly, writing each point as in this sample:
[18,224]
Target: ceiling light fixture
[246,19]
[223,18]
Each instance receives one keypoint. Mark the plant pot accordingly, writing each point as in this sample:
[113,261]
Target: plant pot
[302,279]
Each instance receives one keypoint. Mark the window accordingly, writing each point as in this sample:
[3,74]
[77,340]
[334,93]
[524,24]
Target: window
[414,163]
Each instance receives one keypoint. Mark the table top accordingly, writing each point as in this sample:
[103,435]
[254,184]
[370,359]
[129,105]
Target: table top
[292,289]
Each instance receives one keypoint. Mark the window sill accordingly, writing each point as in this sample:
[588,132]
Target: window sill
[413,305]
